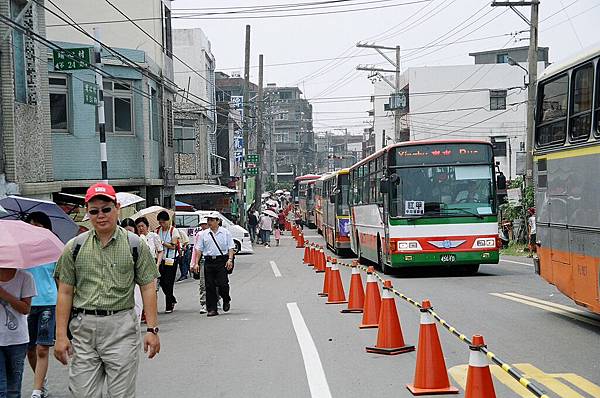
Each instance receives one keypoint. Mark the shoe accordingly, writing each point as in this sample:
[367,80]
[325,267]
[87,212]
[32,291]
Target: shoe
[168,310]
[181,278]
[203,310]
[226,305]
[36,394]
[212,313]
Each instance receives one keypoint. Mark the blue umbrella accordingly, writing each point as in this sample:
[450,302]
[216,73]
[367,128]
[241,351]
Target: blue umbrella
[17,208]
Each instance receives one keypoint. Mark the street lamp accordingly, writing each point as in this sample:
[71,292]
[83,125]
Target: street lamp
[512,62]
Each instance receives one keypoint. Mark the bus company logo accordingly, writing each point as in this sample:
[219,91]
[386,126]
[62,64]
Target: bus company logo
[446,244]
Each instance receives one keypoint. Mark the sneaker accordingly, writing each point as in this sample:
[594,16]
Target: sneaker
[37,394]
[168,310]
[226,306]
[203,310]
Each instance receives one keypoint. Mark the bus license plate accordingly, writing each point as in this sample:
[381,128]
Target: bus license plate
[448,258]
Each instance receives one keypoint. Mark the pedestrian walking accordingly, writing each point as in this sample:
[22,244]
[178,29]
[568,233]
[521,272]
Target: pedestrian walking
[532,231]
[281,220]
[265,224]
[16,290]
[96,274]
[186,255]
[197,266]
[42,316]
[169,237]
[217,247]
[277,235]
[252,224]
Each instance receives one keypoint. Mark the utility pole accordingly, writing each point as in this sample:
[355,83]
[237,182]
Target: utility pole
[274,149]
[532,56]
[260,145]
[246,126]
[100,106]
[395,86]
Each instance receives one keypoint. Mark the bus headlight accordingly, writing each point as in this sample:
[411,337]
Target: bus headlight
[408,245]
[484,243]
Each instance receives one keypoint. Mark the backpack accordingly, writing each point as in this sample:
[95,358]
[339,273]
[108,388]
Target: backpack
[134,245]
[177,249]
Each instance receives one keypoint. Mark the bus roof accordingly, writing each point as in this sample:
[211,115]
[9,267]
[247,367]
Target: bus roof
[307,177]
[571,61]
[414,143]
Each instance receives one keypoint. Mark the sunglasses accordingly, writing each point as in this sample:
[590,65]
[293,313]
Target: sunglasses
[105,210]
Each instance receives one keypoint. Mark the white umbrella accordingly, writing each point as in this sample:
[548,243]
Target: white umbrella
[279,191]
[270,213]
[150,213]
[265,195]
[127,199]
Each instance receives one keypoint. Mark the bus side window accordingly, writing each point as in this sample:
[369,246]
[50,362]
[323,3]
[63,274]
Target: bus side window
[580,121]
[552,111]
[598,100]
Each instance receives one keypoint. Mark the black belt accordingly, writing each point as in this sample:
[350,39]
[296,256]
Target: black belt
[216,258]
[77,311]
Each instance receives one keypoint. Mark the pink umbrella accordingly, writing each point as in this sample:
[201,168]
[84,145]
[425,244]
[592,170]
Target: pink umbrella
[25,246]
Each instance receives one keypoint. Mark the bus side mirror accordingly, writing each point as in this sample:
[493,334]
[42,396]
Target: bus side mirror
[384,185]
[500,182]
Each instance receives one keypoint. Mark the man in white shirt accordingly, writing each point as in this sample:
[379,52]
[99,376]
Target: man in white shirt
[217,247]
[198,265]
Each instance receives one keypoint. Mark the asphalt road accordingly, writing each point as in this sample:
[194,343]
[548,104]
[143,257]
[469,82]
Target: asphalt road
[281,340]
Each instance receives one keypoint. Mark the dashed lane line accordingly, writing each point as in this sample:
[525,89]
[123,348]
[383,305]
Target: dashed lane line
[317,382]
[275,269]
[515,262]
[548,306]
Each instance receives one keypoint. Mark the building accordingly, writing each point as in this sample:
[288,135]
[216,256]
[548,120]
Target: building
[26,160]
[195,113]
[143,53]
[337,150]
[291,142]
[368,144]
[484,101]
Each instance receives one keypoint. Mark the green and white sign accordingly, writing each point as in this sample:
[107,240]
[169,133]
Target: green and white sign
[90,93]
[72,58]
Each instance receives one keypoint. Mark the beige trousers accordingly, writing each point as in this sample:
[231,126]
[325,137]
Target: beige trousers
[105,349]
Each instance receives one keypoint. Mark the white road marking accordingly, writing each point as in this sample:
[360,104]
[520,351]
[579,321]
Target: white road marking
[275,269]
[317,382]
[515,262]
[551,307]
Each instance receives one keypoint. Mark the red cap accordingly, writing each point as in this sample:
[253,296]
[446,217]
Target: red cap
[100,189]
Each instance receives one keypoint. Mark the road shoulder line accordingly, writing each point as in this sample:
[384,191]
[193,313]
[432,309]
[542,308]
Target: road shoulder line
[275,269]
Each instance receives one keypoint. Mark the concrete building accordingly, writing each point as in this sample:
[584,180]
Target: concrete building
[151,88]
[195,113]
[484,101]
[291,142]
[25,139]
[337,150]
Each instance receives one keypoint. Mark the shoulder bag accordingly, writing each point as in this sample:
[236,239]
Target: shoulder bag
[229,271]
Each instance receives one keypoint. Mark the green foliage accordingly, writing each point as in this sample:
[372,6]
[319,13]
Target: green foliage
[518,211]
[272,187]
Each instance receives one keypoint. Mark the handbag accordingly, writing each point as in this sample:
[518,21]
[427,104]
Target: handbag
[229,271]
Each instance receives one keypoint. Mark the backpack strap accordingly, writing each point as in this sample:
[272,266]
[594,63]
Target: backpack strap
[134,245]
[79,241]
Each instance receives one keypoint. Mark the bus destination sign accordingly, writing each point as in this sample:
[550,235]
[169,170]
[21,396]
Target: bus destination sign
[432,154]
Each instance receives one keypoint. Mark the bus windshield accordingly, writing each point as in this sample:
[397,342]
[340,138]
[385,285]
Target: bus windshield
[443,191]
[344,187]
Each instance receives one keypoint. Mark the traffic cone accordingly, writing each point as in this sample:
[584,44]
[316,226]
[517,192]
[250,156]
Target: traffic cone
[311,255]
[479,378]
[325,291]
[305,260]
[431,376]
[321,262]
[336,287]
[389,336]
[356,297]
[370,317]
[300,241]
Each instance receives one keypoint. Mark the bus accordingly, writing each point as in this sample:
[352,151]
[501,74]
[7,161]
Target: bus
[566,164]
[336,213]
[296,187]
[426,203]
[319,202]
[306,201]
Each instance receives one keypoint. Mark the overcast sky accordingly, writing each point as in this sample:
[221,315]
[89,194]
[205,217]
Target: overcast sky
[455,27]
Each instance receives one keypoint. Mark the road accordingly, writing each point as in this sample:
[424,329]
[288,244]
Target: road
[281,340]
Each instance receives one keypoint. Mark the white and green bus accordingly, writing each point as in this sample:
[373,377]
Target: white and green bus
[426,203]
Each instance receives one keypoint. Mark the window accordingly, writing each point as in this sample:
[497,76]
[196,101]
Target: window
[580,121]
[497,100]
[168,33]
[156,128]
[502,58]
[598,101]
[19,55]
[185,136]
[118,107]
[499,148]
[59,103]
[285,95]
[223,96]
[169,117]
[551,114]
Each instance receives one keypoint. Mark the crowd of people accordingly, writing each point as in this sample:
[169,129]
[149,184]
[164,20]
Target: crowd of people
[90,303]
[268,220]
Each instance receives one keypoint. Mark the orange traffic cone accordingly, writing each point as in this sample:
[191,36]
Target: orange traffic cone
[325,291]
[300,241]
[321,262]
[479,378]
[370,317]
[305,260]
[311,254]
[431,376]
[356,297]
[389,336]
[336,287]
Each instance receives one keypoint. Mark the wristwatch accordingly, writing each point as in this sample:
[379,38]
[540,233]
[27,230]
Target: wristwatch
[153,330]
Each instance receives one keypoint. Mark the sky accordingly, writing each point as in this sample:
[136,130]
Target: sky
[305,45]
